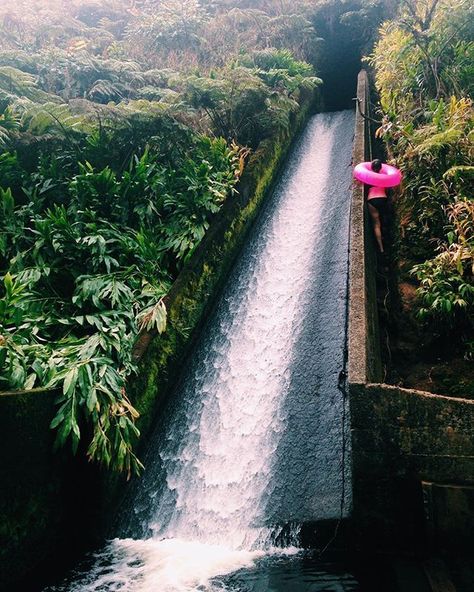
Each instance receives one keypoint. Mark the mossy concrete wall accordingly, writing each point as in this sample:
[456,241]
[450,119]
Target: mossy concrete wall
[195,290]
[364,363]
[24,484]
[413,469]
[51,504]
[412,452]
[45,498]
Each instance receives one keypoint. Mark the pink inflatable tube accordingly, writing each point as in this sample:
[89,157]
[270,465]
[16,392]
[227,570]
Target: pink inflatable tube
[389,176]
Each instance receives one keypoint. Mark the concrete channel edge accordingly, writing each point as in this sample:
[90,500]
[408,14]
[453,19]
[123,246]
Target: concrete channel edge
[412,451]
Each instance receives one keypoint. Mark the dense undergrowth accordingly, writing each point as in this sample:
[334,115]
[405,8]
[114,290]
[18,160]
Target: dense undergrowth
[424,66]
[124,125]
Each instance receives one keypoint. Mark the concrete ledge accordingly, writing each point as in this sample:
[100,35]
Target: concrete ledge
[412,432]
[364,362]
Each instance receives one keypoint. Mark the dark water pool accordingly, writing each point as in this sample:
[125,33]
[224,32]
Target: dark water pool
[298,574]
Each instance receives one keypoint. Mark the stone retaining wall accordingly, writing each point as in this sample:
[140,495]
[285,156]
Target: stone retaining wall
[412,452]
[405,445]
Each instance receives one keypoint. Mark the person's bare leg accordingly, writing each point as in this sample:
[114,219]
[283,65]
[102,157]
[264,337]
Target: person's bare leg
[376,223]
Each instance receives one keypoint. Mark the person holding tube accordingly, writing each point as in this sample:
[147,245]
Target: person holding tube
[377,176]
[377,205]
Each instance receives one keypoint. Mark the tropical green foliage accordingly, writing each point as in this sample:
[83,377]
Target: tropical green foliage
[424,73]
[90,254]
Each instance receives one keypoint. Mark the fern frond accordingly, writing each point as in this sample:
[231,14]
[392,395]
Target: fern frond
[440,140]
[47,118]
[23,84]
[459,171]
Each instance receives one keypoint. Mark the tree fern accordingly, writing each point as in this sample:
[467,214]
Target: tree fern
[51,117]
[22,84]
[9,122]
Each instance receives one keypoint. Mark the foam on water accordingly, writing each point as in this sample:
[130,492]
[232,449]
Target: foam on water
[169,565]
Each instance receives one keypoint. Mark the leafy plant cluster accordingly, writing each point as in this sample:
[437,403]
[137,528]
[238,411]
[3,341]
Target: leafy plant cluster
[88,255]
[424,74]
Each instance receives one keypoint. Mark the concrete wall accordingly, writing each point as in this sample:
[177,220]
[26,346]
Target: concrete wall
[364,363]
[413,468]
[194,291]
[412,452]
[51,504]
[45,498]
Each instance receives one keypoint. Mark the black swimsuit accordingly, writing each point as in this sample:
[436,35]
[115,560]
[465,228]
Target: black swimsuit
[379,203]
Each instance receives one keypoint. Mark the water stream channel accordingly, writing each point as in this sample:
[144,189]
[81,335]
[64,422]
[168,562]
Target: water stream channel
[251,443]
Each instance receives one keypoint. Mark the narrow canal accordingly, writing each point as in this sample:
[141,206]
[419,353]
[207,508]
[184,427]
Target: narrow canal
[251,444]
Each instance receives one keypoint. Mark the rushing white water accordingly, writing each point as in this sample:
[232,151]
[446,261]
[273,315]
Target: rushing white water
[151,565]
[221,470]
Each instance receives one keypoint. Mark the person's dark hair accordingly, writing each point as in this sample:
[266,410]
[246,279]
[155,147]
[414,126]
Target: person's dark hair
[376,165]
